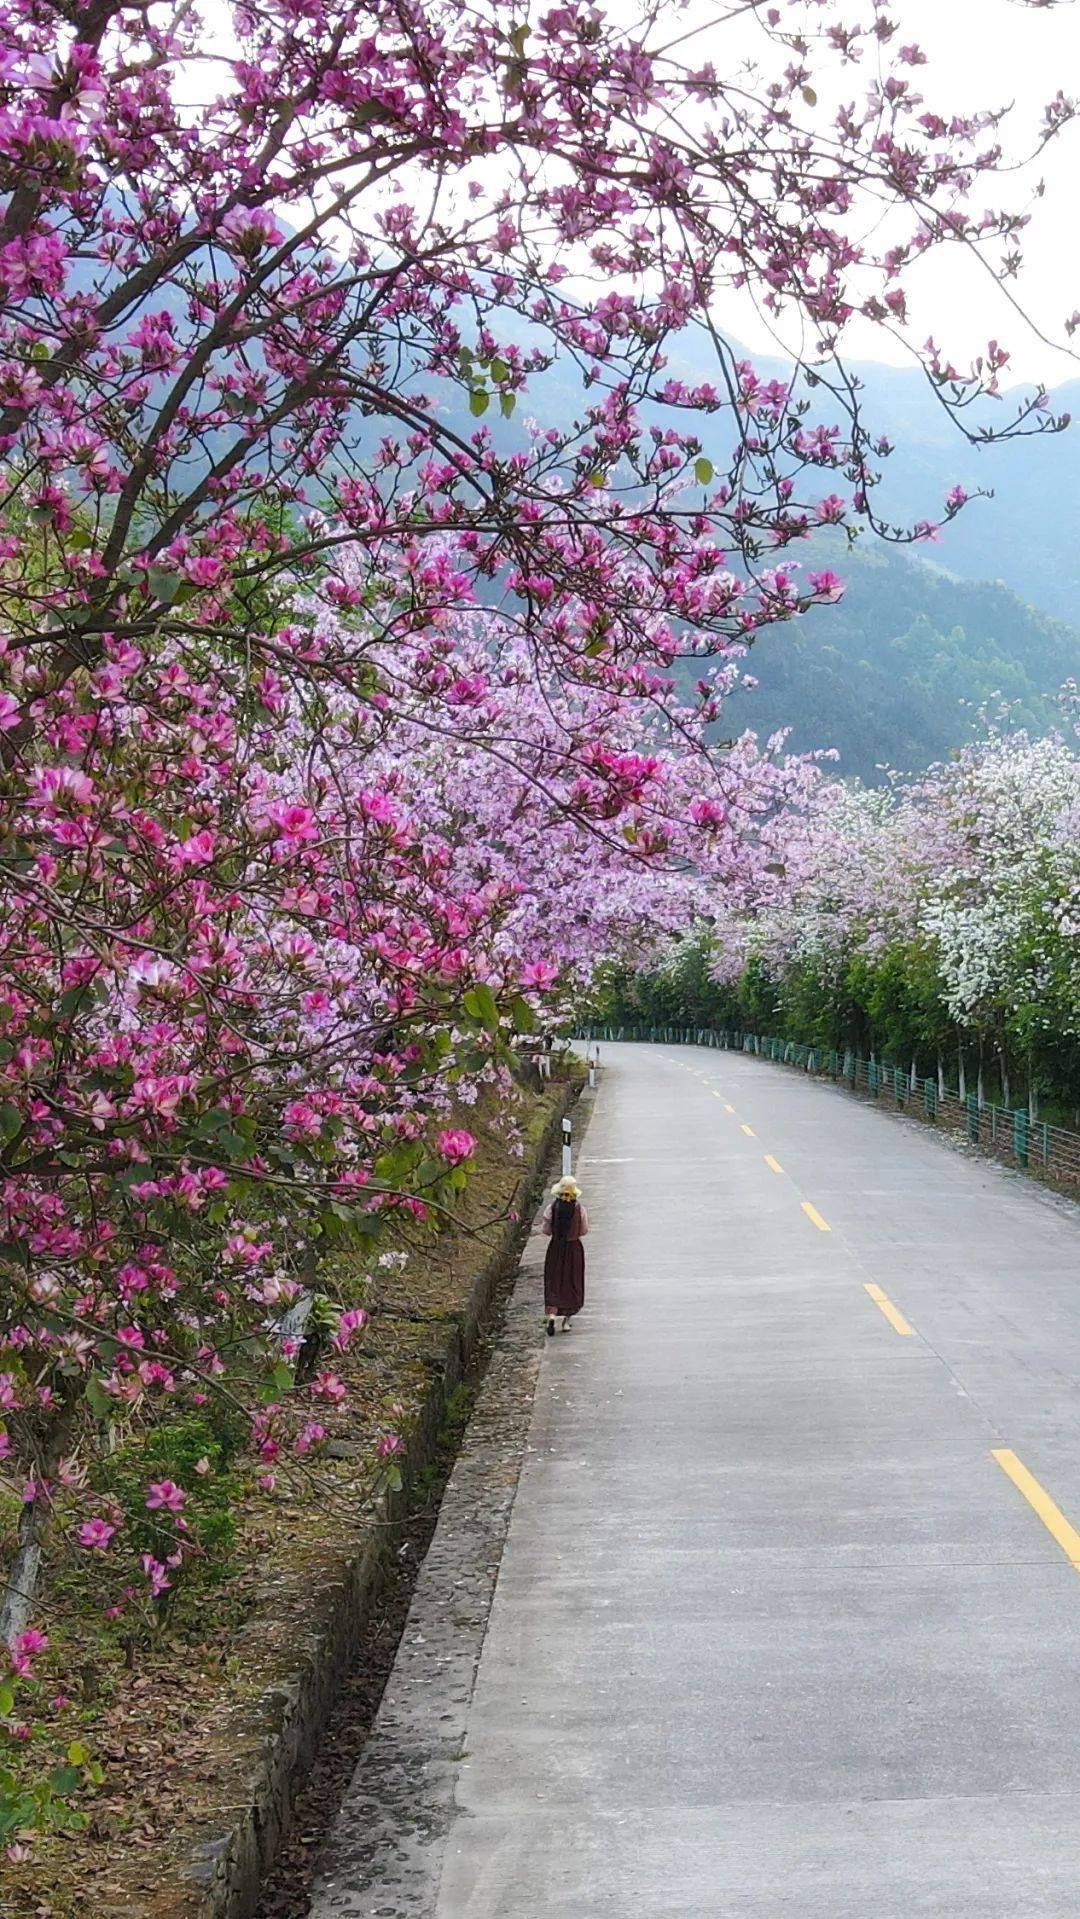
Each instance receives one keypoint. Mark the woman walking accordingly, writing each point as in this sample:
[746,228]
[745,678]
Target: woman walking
[566,1223]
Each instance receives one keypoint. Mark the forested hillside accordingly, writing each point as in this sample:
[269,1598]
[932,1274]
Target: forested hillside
[894,675]
[1024,536]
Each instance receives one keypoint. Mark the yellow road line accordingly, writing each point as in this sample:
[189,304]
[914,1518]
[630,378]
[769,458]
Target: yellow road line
[813,1215]
[749,1131]
[727,1109]
[1040,1502]
[774,1163]
[895,1318]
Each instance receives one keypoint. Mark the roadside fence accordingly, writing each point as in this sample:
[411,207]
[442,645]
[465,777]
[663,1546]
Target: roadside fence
[1009,1133]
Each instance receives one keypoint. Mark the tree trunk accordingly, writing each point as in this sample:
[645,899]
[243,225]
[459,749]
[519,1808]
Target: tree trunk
[41,1453]
[21,1577]
[963,1074]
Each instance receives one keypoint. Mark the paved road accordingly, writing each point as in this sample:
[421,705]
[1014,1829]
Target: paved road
[775,1632]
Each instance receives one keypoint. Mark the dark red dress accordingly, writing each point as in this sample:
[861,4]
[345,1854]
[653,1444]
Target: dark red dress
[564,1267]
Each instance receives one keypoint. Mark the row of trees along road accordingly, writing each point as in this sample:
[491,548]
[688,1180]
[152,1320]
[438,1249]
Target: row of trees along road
[936,926]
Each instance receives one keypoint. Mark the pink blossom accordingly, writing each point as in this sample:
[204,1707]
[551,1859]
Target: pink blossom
[539,974]
[352,1321]
[827,586]
[156,1574]
[327,1386]
[455,1145]
[167,1495]
[25,1648]
[96,1534]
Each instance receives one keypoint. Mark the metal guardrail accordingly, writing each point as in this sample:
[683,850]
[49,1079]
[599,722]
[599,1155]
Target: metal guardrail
[1009,1133]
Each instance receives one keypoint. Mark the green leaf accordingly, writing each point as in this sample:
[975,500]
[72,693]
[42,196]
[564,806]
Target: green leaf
[367,110]
[703,470]
[164,585]
[64,1779]
[10,1120]
[480,1004]
[499,371]
[507,403]
[523,1016]
[479,400]
[473,1060]
[77,1753]
[7,1702]
[97,1398]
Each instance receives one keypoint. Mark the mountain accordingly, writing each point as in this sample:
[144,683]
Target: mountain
[894,674]
[1025,536]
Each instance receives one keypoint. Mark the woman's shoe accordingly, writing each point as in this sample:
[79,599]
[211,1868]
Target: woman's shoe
[551,1326]
[566,1322]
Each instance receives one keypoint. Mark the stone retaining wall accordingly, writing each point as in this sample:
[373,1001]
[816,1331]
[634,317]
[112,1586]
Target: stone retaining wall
[230,1868]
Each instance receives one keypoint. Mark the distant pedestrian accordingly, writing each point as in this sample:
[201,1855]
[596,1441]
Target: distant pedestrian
[566,1223]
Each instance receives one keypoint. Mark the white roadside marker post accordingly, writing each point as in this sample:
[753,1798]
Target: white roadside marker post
[567,1133]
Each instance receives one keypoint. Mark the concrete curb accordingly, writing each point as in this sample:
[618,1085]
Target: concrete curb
[228,1871]
[386,1850]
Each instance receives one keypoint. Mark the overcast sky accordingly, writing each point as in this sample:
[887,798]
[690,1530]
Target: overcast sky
[984,53]
[981,53]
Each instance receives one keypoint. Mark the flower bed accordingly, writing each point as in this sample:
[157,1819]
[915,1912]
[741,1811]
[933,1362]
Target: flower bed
[200,1734]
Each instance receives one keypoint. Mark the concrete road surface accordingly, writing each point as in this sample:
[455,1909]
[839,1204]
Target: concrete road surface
[788,1615]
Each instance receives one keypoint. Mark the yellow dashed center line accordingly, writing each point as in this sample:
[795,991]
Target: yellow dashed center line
[1041,1503]
[727,1109]
[749,1131]
[815,1218]
[774,1163]
[893,1315]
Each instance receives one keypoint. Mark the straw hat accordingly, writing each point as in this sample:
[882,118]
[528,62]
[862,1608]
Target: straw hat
[566,1189]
